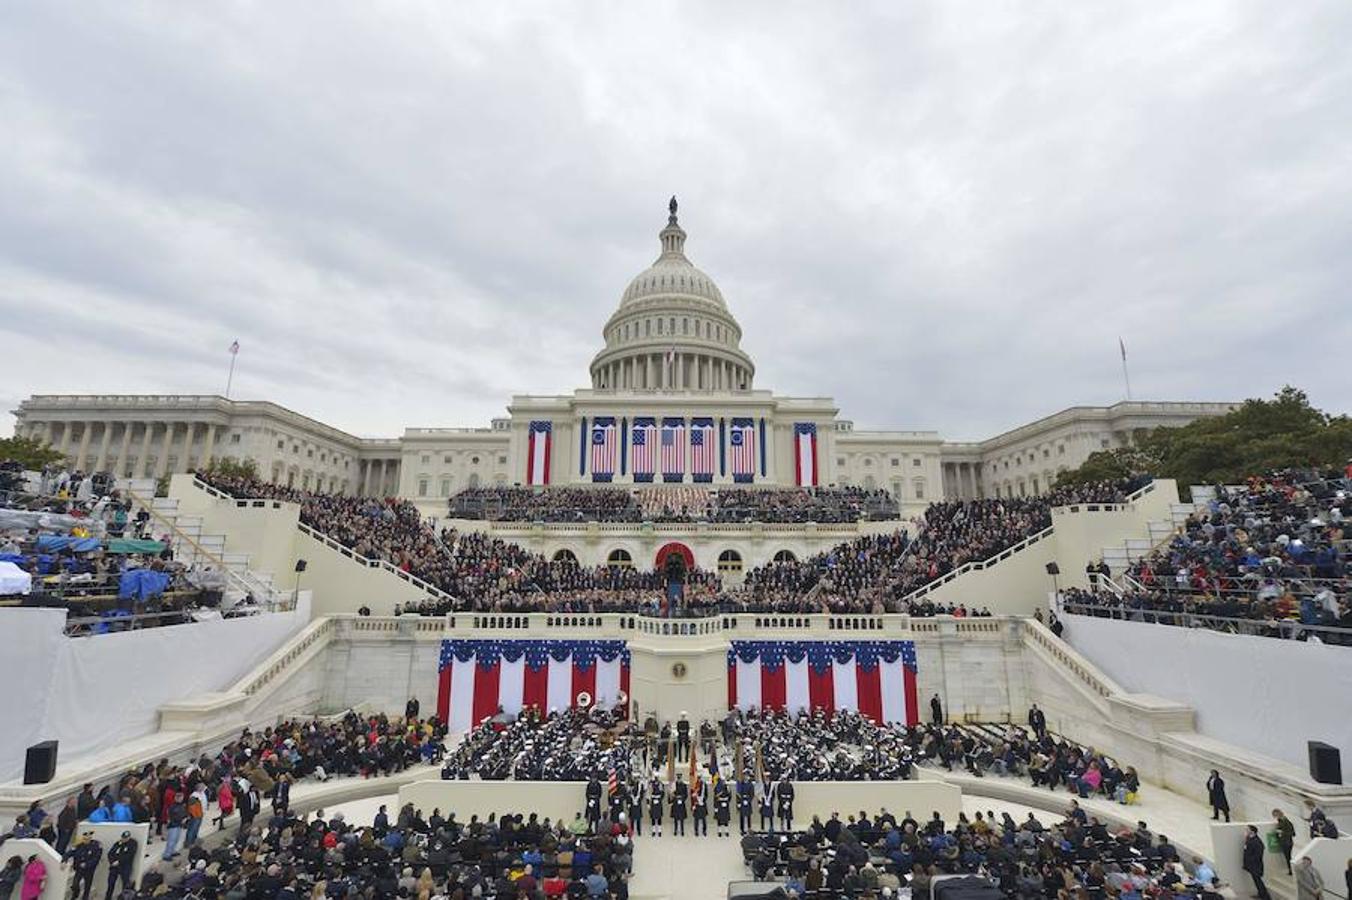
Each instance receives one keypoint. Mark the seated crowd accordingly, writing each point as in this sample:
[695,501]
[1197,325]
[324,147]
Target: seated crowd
[672,503]
[1272,550]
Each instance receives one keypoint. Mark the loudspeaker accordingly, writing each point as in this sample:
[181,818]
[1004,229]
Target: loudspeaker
[39,766]
[300,565]
[1053,569]
[1326,766]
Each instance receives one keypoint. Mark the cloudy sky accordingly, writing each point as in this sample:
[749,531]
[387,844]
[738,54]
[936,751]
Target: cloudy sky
[942,215]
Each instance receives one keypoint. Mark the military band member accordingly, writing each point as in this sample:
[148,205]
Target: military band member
[767,806]
[700,806]
[784,802]
[594,803]
[636,807]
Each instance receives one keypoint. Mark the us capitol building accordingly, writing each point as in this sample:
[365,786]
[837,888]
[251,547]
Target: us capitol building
[672,400]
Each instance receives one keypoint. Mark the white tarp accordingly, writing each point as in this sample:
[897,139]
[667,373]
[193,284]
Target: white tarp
[14,580]
[1266,694]
[91,693]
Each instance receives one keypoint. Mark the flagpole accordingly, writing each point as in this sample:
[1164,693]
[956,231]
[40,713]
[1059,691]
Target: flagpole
[1126,378]
[230,379]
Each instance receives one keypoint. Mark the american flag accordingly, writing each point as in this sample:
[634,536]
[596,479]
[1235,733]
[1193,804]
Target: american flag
[644,437]
[875,678]
[742,441]
[703,446]
[673,449]
[603,444]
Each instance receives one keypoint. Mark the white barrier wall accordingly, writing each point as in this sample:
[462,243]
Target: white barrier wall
[91,693]
[1263,694]
[565,799]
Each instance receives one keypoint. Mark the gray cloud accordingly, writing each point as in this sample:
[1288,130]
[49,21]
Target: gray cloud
[941,215]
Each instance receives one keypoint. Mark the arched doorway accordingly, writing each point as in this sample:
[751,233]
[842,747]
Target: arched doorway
[565,556]
[729,562]
[620,559]
[785,556]
[680,550]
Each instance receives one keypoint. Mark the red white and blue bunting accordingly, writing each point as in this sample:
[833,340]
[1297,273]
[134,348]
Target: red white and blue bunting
[875,678]
[479,678]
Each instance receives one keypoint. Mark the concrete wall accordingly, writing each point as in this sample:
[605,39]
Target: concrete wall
[58,877]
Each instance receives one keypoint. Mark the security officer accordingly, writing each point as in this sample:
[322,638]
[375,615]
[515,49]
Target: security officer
[680,801]
[746,798]
[722,807]
[784,800]
[700,806]
[121,858]
[85,860]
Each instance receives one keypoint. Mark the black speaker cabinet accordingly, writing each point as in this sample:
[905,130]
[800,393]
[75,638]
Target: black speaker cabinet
[39,766]
[1326,765]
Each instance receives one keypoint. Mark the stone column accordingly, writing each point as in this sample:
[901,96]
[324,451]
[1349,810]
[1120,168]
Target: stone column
[380,483]
[162,462]
[208,446]
[103,447]
[84,444]
[126,444]
[145,451]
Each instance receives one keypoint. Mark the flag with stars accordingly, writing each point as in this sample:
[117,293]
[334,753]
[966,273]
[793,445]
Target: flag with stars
[480,678]
[644,452]
[874,678]
[703,447]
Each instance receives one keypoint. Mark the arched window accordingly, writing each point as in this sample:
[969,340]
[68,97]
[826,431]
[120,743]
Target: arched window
[565,556]
[729,562]
[785,556]
[620,559]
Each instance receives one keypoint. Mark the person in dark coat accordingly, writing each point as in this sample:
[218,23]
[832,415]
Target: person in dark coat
[699,806]
[656,806]
[1253,861]
[1037,720]
[593,803]
[66,820]
[936,710]
[680,799]
[722,807]
[85,860]
[1215,793]
[121,859]
[784,802]
[411,708]
[746,798]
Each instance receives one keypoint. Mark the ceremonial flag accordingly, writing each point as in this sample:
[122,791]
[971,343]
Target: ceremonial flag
[742,441]
[673,449]
[875,678]
[476,677]
[805,453]
[538,445]
[1122,345]
[234,348]
[644,439]
[703,447]
[604,442]
[612,784]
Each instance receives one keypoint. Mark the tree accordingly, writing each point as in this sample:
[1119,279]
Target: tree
[1261,435]
[229,467]
[30,453]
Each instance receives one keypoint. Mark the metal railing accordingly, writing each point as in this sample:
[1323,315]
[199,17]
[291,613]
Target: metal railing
[1274,628]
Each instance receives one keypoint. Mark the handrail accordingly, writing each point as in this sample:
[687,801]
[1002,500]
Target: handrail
[978,565]
[1244,627]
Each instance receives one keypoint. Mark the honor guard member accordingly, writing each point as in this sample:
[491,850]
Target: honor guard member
[619,801]
[594,803]
[767,806]
[682,738]
[706,737]
[784,801]
[121,858]
[746,798]
[85,860]
[636,806]
[657,800]
[723,807]
[699,805]
[680,801]
[664,744]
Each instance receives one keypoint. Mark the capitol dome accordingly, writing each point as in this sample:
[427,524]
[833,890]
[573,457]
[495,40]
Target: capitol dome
[672,330]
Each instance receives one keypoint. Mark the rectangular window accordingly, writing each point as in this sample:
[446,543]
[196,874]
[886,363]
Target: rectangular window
[426,458]
[445,487]
[234,439]
[422,487]
[915,463]
[895,462]
[920,490]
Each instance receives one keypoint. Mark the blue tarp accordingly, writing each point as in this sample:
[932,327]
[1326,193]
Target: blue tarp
[140,584]
[53,542]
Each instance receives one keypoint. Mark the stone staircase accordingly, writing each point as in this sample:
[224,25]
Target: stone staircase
[1120,556]
[192,546]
